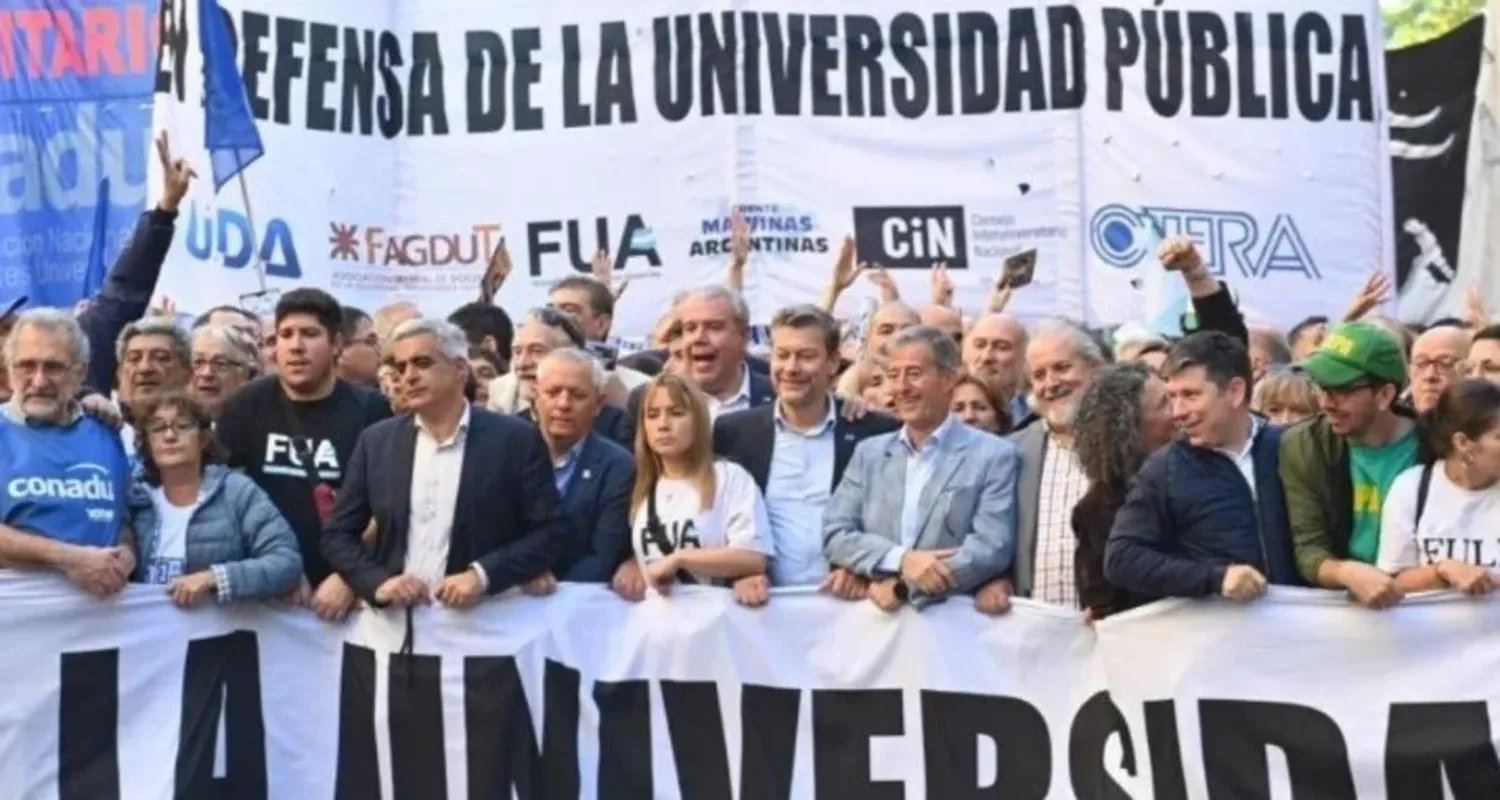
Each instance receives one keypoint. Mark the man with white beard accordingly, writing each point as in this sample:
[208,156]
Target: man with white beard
[1061,361]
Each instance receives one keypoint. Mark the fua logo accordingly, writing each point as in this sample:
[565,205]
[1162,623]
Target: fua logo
[95,487]
[62,171]
[226,233]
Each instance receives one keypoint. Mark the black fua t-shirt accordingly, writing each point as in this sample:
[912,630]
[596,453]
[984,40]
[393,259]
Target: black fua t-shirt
[258,430]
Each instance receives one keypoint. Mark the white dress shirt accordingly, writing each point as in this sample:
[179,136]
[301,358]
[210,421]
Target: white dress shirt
[739,402]
[435,471]
[1244,458]
[798,486]
[920,464]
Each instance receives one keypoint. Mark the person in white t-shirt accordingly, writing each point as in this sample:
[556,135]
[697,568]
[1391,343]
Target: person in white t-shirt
[1440,528]
[692,519]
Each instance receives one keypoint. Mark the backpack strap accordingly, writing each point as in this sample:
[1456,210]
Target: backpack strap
[1424,486]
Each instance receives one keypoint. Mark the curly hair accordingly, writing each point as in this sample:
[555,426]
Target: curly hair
[1107,434]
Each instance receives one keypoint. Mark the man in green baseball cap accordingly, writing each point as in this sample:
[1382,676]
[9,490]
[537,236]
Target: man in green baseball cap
[1337,467]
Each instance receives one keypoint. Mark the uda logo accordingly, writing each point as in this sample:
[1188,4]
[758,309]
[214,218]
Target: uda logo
[1124,237]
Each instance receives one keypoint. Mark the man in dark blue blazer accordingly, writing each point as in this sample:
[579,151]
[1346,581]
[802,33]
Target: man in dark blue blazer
[463,498]
[594,475]
[796,448]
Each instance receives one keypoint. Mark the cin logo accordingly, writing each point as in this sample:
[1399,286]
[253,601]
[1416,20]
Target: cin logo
[226,233]
[912,237]
[1124,237]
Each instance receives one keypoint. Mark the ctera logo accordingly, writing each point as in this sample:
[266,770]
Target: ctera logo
[1123,237]
[637,240]
[912,237]
[225,233]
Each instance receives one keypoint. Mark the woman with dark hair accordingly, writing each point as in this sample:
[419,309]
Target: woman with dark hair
[1123,417]
[200,528]
[976,405]
[1438,518]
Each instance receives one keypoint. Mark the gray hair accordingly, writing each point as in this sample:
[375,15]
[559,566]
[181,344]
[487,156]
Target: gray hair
[1083,343]
[450,338]
[577,358]
[1107,432]
[234,339]
[157,326]
[50,320]
[718,291]
[944,350]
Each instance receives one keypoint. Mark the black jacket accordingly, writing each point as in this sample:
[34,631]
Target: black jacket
[1190,515]
[506,518]
[126,294]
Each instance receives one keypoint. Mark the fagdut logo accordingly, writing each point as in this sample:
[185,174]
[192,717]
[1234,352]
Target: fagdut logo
[627,241]
[378,246]
[225,235]
[1122,236]
[774,228]
[912,237]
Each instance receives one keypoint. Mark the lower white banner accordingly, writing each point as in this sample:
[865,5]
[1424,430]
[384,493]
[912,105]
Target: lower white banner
[582,695]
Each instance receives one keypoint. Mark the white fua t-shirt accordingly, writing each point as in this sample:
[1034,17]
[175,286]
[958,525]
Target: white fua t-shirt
[1457,524]
[737,518]
[166,562]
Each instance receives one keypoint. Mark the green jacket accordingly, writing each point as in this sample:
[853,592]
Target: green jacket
[1319,489]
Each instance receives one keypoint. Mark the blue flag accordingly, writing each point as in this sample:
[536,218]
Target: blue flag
[93,278]
[229,132]
[1166,297]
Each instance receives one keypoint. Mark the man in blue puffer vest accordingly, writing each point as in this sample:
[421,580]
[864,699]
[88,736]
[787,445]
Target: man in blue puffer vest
[1206,514]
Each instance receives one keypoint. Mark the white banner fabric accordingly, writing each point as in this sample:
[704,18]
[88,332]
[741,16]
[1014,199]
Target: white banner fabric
[583,695]
[402,142]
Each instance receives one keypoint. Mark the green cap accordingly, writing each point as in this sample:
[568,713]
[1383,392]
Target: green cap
[1356,351]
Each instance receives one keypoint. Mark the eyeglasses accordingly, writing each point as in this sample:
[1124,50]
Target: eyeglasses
[217,364]
[181,427]
[1443,364]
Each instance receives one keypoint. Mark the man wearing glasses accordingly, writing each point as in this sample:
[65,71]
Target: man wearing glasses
[154,354]
[1338,466]
[63,475]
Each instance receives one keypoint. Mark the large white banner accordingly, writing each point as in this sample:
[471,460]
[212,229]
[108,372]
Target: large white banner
[404,139]
[583,695]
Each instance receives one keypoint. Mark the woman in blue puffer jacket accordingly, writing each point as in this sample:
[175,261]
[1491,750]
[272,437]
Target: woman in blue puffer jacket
[202,529]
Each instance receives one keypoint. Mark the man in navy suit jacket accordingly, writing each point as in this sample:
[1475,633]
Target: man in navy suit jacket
[593,475]
[463,498]
[796,448]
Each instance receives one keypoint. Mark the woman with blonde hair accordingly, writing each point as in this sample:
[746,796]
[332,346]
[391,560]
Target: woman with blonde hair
[692,519]
[1285,397]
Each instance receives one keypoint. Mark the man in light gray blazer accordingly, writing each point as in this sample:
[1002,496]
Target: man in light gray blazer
[928,510]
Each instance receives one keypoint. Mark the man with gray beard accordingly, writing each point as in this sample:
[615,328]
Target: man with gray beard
[1061,361]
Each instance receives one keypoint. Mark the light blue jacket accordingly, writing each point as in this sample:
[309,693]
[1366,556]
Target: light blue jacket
[235,531]
[968,504]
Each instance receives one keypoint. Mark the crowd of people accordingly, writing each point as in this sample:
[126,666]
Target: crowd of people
[334,457]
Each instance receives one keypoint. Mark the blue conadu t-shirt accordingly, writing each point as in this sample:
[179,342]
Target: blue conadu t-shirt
[65,482]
